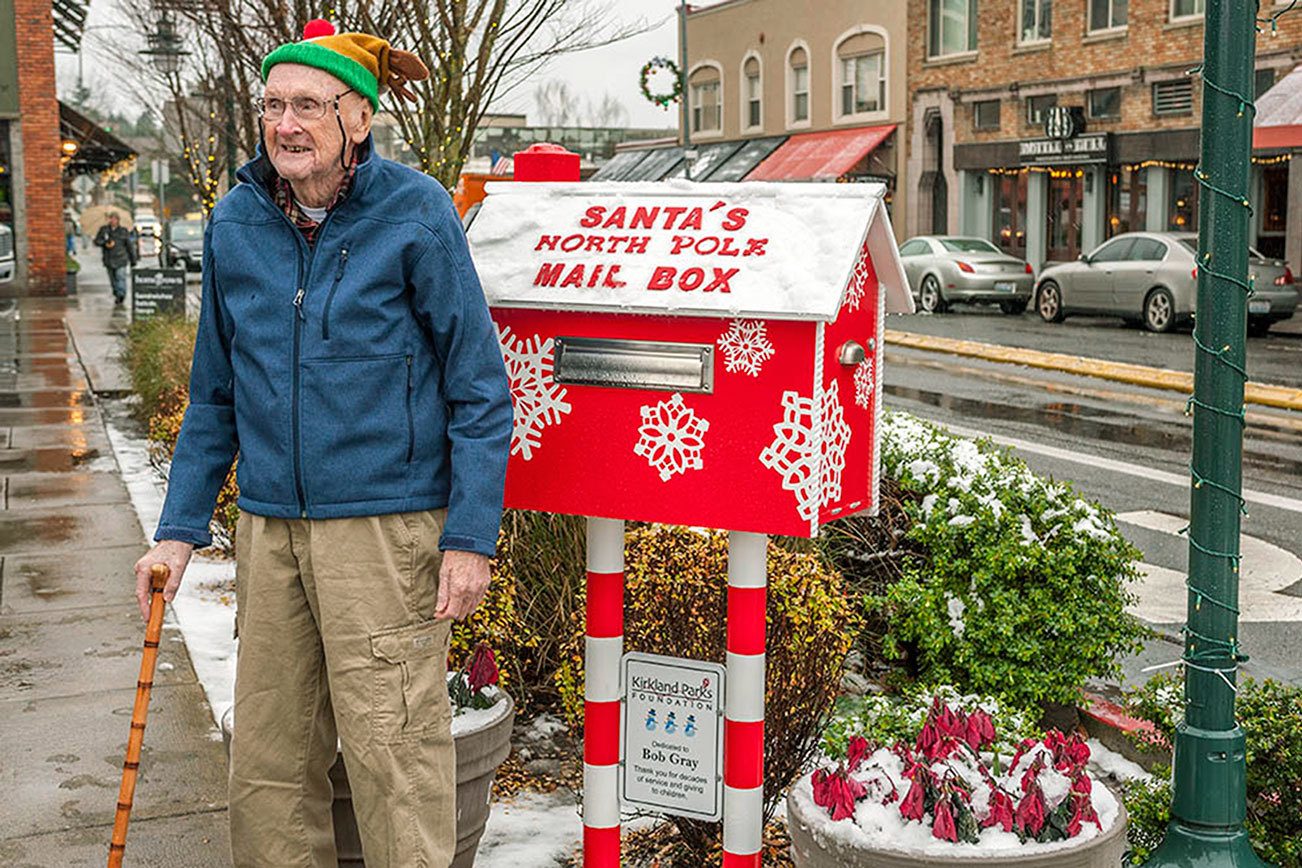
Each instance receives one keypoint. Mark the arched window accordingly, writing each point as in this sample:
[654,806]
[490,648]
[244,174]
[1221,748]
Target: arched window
[798,85]
[860,73]
[706,92]
[752,93]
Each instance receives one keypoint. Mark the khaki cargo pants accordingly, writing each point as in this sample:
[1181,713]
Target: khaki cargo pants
[337,640]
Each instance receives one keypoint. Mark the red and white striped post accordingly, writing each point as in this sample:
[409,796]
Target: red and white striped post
[743,723]
[603,648]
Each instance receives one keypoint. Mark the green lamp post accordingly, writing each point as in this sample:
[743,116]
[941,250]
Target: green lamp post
[1210,790]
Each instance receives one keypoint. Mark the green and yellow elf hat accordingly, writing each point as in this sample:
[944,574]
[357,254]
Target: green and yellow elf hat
[366,63]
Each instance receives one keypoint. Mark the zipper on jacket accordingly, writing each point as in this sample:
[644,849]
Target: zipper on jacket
[339,274]
[300,317]
[411,423]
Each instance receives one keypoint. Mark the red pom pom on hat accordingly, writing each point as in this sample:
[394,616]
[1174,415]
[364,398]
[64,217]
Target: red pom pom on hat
[317,28]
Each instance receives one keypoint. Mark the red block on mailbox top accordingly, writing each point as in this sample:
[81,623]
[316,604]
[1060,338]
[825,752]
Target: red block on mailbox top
[700,354]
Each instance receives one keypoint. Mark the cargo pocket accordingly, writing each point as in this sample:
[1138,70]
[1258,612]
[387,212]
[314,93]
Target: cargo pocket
[410,696]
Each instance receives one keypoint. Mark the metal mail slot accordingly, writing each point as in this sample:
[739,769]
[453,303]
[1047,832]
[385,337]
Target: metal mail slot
[634,364]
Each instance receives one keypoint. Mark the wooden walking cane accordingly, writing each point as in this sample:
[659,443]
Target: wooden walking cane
[158,575]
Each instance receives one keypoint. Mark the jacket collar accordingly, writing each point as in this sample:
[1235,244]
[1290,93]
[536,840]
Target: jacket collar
[260,173]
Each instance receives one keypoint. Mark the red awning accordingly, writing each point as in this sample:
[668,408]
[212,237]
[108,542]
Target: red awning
[820,156]
[1278,122]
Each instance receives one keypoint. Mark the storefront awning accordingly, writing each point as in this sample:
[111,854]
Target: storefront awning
[88,148]
[822,156]
[747,157]
[618,166]
[708,158]
[1279,115]
[657,164]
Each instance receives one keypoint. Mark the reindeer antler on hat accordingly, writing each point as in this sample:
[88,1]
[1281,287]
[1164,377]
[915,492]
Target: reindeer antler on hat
[366,63]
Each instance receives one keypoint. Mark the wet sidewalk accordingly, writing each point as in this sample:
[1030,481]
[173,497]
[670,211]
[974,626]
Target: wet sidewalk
[70,632]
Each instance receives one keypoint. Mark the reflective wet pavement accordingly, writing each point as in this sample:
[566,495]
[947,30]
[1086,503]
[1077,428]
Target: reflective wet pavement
[70,633]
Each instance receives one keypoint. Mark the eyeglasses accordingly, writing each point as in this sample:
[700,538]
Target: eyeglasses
[306,108]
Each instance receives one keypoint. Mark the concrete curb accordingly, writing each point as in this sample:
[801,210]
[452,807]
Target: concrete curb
[1280,397]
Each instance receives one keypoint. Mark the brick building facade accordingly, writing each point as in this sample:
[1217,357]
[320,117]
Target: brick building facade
[31,181]
[981,85]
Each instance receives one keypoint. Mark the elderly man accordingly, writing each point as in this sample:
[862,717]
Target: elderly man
[118,251]
[346,351]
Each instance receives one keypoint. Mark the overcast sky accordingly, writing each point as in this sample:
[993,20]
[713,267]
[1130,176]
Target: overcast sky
[590,74]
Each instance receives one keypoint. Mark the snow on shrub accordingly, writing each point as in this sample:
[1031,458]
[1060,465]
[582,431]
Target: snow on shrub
[892,718]
[1022,592]
[950,785]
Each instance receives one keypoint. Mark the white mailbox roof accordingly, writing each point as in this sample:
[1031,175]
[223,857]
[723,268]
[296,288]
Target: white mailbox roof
[781,251]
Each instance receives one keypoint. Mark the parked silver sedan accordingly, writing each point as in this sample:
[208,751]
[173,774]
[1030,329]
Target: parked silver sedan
[1151,278]
[943,269]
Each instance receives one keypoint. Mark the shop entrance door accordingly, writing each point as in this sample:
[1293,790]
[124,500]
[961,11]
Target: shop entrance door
[1063,217]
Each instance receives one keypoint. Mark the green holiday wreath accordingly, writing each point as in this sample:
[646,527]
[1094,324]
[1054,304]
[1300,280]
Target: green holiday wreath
[662,99]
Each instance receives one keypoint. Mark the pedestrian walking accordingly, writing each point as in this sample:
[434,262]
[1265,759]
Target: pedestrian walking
[345,349]
[119,252]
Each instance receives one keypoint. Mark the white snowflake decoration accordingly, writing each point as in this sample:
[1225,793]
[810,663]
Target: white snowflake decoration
[671,438]
[810,467]
[539,403]
[745,346]
[836,439]
[858,286]
[863,383]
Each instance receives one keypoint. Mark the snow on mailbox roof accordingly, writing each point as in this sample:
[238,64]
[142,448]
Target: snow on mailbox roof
[781,251]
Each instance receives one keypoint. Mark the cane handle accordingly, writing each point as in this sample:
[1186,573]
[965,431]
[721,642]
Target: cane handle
[158,576]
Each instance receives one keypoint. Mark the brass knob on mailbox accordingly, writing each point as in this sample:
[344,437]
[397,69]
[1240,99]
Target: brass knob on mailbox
[850,354]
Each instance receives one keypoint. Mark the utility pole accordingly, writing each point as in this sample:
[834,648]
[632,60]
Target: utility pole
[1210,790]
[686,111]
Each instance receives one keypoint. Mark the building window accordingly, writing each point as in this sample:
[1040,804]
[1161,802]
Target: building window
[1263,81]
[1173,97]
[1187,9]
[752,93]
[953,27]
[861,73]
[985,114]
[1127,200]
[1107,14]
[1182,203]
[1105,102]
[705,100]
[1036,21]
[1274,189]
[1010,213]
[798,65]
[1036,106]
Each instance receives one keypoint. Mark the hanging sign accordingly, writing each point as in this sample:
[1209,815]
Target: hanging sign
[673,736]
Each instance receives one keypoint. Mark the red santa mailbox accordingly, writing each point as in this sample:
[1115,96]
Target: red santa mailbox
[699,354]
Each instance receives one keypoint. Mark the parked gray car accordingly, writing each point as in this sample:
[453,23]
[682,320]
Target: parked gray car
[8,262]
[943,269]
[1152,278]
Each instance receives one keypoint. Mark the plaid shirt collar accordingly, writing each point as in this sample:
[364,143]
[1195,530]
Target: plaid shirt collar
[284,197]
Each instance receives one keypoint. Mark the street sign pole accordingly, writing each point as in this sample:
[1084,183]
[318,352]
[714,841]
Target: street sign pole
[1209,789]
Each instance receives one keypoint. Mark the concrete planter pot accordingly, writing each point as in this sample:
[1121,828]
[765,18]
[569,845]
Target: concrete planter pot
[812,850]
[479,753]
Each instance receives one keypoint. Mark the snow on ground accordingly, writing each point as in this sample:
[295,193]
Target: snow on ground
[1104,763]
[532,830]
[204,607]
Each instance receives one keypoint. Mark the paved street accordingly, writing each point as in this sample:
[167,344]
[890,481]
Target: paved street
[70,632]
[1128,447]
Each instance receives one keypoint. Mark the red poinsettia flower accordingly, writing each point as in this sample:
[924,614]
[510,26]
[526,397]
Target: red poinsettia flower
[1076,750]
[1082,785]
[1082,812]
[481,670]
[837,792]
[1032,773]
[1025,745]
[980,730]
[914,804]
[858,750]
[1031,811]
[1001,811]
[928,740]
[942,826]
